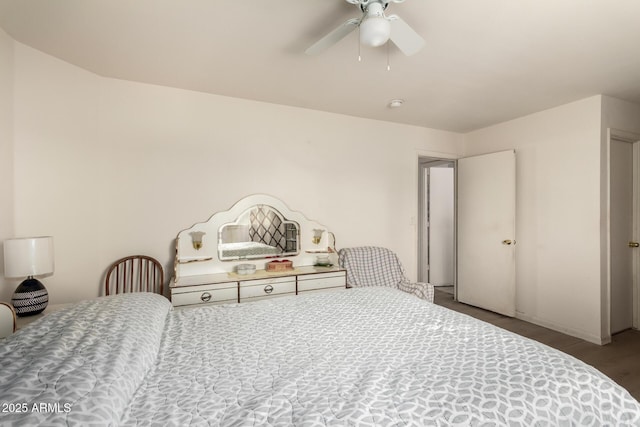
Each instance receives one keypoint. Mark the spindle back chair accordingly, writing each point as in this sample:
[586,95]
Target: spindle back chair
[136,273]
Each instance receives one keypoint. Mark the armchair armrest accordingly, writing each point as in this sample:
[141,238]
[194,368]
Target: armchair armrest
[7,320]
[420,289]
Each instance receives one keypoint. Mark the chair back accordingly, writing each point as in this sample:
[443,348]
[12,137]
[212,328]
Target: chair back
[136,273]
[371,266]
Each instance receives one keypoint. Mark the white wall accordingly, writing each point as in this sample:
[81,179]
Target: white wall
[620,114]
[6,155]
[57,160]
[557,214]
[112,168]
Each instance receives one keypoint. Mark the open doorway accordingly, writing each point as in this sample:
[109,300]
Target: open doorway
[624,231]
[436,228]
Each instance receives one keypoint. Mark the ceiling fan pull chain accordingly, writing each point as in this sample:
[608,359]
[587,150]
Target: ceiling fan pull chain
[388,62]
[359,46]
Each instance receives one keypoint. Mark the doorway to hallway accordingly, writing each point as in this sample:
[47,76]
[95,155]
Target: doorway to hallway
[436,227]
[624,231]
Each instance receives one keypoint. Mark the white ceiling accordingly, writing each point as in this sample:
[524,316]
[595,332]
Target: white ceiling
[485,61]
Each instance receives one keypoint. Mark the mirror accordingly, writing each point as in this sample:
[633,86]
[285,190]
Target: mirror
[259,232]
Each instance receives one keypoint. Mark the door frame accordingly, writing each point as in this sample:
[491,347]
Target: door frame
[432,156]
[632,138]
[424,164]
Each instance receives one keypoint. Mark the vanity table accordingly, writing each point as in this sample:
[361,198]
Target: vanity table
[256,230]
[223,288]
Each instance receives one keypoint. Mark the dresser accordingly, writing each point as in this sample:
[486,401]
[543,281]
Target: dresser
[224,288]
[260,234]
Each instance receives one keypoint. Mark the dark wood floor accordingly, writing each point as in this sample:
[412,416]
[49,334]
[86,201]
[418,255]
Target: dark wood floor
[619,360]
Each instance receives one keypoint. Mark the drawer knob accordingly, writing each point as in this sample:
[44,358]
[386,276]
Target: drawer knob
[205,297]
[268,289]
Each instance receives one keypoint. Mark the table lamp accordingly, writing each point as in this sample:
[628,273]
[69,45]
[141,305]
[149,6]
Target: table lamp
[29,257]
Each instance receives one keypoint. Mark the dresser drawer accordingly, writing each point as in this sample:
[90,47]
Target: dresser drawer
[267,287]
[320,281]
[212,294]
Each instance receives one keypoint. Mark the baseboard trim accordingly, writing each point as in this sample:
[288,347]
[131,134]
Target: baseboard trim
[569,331]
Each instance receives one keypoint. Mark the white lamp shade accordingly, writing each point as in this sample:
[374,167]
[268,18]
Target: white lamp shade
[31,256]
[375,31]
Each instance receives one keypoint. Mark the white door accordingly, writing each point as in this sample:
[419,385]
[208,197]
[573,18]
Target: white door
[621,220]
[486,231]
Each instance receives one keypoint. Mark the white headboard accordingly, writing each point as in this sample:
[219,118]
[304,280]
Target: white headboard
[190,261]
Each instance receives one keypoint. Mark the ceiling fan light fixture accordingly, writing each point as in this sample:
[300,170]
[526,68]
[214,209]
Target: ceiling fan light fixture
[375,30]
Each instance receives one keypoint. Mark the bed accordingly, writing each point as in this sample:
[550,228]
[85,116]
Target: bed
[247,250]
[363,357]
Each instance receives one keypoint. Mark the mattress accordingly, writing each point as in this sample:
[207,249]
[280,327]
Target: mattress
[363,357]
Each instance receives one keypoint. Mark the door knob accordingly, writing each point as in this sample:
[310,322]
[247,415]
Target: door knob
[634,244]
[507,242]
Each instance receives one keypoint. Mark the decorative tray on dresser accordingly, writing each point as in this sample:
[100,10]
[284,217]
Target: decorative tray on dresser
[225,259]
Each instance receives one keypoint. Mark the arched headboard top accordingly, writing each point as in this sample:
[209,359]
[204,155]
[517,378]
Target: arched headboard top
[257,229]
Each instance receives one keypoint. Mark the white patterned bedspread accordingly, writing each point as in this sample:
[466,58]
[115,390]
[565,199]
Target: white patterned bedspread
[366,356]
[80,366]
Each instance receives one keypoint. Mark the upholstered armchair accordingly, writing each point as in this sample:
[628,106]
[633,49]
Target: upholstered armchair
[376,266]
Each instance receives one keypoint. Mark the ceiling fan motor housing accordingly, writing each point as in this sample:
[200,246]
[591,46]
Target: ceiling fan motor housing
[364,4]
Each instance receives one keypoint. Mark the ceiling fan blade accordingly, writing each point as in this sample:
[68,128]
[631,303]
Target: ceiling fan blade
[333,37]
[403,36]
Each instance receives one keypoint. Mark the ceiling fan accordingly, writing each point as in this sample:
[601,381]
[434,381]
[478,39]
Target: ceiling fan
[375,29]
